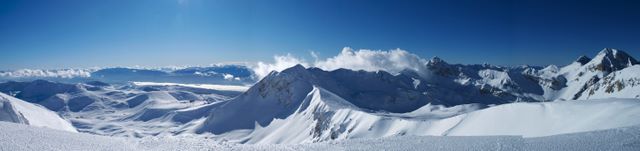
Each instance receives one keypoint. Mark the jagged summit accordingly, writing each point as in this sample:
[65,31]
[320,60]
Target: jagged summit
[296,68]
[436,60]
[583,60]
[612,60]
[439,66]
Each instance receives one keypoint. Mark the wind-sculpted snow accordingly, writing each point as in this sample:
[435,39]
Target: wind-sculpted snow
[18,111]
[32,138]
[260,104]
[278,96]
[122,110]
[549,118]
[324,116]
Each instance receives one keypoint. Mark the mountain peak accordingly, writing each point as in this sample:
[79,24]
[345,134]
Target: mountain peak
[583,60]
[612,60]
[615,54]
[436,61]
[606,51]
[295,69]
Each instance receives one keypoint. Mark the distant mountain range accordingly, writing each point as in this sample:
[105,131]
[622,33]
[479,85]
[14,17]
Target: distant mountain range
[219,74]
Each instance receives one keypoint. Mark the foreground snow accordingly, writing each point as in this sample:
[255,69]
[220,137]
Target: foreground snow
[19,111]
[118,110]
[548,118]
[22,137]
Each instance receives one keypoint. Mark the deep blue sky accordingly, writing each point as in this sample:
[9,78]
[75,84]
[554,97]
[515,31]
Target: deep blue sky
[86,33]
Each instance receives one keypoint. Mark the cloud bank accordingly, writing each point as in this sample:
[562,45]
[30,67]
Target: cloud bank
[392,61]
[31,73]
[263,69]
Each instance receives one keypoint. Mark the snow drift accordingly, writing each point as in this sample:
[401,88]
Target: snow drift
[548,118]
[18,111]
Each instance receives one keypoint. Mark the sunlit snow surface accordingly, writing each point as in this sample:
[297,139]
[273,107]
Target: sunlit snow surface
[18,111]
[323,116]
[23,137]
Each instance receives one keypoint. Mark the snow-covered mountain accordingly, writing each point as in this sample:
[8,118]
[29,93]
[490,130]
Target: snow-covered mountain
[18,111]
[227,74]
[324,116]
[309,104]
[579,80]
[302,105]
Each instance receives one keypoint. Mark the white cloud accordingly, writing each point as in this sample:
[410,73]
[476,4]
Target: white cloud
[228,76]
[314,55]
[281,62]
[392,61]
[62,73]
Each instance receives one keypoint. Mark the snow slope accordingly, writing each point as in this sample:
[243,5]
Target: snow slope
[280,93]
[548,118]
[580,79]
[323,116]
[622,84]
[328,117]
[18,111]
[125,110]
[33,138]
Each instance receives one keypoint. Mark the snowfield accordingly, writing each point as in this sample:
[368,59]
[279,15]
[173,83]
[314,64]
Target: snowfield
[549,118]
[23,137]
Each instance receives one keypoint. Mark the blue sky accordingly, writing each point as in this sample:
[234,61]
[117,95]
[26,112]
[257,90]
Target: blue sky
[87,33]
